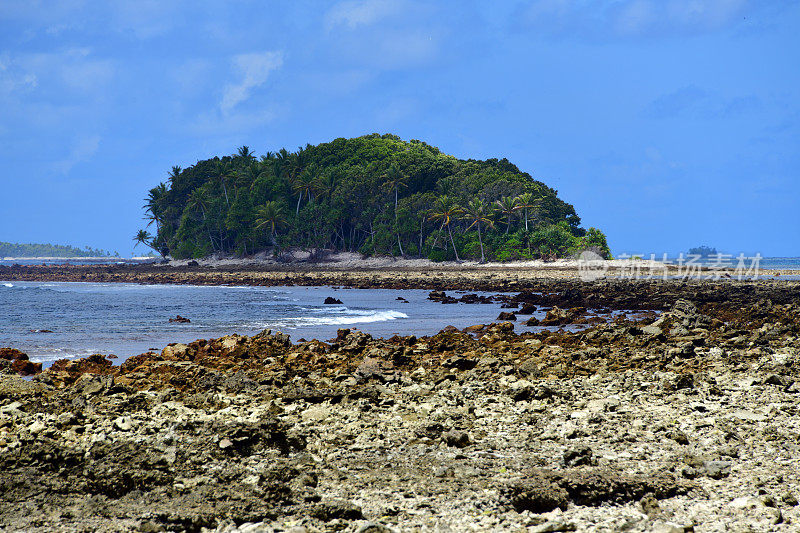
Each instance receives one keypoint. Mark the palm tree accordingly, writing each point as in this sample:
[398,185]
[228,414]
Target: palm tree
[477,212]
[244,153]
[271,215]
[143,237]
[283,156]
[527,201]
[445,209]
[249,175]
[326,184]
[304,186]
[174,173]
[506,206]
[199,200]
[224,171]
[153,205]
[394,179]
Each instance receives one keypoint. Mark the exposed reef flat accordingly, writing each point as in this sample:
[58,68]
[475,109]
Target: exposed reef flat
[680,418]
[470,277]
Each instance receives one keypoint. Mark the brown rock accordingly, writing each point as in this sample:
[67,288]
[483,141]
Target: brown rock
[18,362]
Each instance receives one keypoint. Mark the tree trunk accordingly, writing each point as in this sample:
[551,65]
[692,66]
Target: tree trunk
[421,227]
[436,238]
[450,231]
[210,238]
[297,211]
[480,240]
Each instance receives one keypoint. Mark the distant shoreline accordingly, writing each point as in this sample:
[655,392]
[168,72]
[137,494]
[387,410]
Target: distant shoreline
[81,258]
[402,274]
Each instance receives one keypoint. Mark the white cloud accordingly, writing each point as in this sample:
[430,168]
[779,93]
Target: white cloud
[643,16]
[146,19]
[704,13]
[695,102]
[192,76]
[72,70]
[635,17]
[14,79]
[216,123]
[354,13]
[629,18]
[83,74]
[254,69]
[81,151]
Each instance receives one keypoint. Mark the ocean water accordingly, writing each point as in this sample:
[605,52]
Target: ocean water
[780,263]
[74,261]
[128,319]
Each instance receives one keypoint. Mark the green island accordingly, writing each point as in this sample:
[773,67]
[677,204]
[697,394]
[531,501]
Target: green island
[375,194]
[8,249]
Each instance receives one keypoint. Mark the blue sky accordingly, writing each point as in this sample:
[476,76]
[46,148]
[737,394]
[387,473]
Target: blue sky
[667,123]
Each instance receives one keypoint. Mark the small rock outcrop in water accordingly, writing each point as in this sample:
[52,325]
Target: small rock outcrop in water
[180,320]
[330,300]
[441,297]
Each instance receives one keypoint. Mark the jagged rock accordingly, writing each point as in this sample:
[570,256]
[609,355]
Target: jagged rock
[373,527]
[456,438]
[717,469]
[542,490]
[196,455]
[330,300]
[578,456]
[374,368]
[332,509]
[123,423]
[16,362]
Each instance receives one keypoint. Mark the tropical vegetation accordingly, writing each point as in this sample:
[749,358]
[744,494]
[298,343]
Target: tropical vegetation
[376,194]
[704,251]
[8,249]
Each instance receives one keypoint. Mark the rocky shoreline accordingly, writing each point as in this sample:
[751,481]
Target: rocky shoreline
[682,416]
[497,277]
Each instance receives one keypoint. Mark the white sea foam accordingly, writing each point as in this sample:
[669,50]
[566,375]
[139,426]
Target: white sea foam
[356,317]
[377,316]
[8,285]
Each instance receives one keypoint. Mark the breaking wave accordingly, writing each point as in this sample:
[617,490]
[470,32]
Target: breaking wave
[371,316]
[352,317]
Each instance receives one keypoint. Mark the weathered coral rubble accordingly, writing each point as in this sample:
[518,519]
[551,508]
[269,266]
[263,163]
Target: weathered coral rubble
[678,419]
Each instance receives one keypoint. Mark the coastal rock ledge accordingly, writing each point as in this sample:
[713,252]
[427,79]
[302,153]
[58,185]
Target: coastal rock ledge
[681,418]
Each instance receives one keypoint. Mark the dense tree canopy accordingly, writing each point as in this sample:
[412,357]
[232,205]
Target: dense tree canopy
[375,194]
[8,249]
